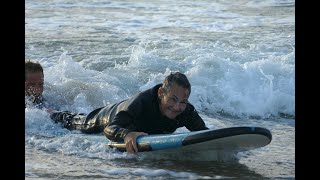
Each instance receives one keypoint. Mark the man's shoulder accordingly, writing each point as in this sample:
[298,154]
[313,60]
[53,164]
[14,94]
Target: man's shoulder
[151,90]
[148,93]
[190,107]
[144,98]
[190,111]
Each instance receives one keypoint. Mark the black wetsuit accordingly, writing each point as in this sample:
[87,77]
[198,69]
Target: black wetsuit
[138,113]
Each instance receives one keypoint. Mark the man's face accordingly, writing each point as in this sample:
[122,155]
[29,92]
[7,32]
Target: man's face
[173,102]
[33,84]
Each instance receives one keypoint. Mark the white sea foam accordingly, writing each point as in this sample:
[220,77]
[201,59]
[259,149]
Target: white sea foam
[262,87]
[154,173]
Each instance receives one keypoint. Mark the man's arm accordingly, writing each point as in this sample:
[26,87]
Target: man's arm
[119,127]
[122,129]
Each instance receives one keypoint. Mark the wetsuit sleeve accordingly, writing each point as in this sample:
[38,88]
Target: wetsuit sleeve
[193,121]
[120,126]
[123,121]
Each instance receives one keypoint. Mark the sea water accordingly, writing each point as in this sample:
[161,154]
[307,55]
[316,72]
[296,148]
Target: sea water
[239,56]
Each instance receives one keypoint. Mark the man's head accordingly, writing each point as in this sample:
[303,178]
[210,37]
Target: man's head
[33,83]
[174,95]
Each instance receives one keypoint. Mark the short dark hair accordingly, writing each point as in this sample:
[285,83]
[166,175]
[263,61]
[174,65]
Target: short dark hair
[32,67]
[176,78]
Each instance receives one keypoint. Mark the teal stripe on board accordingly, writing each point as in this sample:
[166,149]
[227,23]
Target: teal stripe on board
[158,142]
